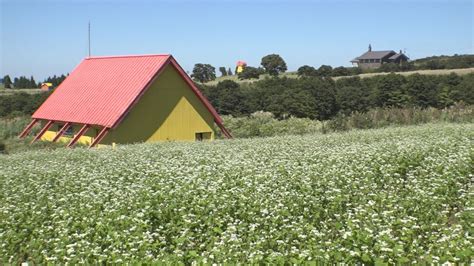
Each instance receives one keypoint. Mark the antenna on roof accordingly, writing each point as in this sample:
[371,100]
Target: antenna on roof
[89,38]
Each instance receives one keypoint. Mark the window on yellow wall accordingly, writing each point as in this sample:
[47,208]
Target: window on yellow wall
[200,136]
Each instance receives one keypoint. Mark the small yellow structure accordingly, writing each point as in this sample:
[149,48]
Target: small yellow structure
[240,66]
[46,86]
[127,99]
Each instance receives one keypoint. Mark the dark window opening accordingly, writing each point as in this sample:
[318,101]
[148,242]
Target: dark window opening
[68,132]
[200,136]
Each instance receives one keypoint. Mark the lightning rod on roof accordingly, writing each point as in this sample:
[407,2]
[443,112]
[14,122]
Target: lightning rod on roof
[89,38]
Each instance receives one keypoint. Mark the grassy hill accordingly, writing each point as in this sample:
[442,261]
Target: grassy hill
[394,195]
[433,65]
[460,71]
[4,91]
[445,61]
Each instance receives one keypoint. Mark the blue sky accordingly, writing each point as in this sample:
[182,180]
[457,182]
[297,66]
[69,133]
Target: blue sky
[43,38]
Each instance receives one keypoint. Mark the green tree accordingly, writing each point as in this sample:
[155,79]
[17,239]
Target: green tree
[354,70]
[390,91]
[223,71]
[203,73]
[33,83]
[16,83]
[433,64]
[60,79]
[352,98]
[389,67]
[324,71]
[7,82]
[273,64]
[324,93]
[229,72]
[250,73]
[230,98]
[422,90]
[464,90]
[306,71]
[340,71]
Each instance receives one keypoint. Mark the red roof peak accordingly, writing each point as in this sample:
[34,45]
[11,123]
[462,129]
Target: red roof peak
[126,56]
[101,92]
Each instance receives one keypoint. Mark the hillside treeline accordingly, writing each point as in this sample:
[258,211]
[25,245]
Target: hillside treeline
[323,98]
[427,63]
[23,82]
[310,97]
[445,62]
[19,104]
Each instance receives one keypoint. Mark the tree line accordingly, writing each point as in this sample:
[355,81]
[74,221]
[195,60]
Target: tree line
[19,104]
[23,82]
[312,97]
[322,98]
[274,65]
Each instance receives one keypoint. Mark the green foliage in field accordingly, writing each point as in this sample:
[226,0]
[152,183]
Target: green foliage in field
[20,104]
[262,124]
[323,98]
[10,128]
[383,117]
[2,147]
[398,195]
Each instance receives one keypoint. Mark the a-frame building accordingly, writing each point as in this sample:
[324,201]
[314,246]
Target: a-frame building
[126,99]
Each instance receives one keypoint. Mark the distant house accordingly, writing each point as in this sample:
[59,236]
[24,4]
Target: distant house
[47,86]
[375,59]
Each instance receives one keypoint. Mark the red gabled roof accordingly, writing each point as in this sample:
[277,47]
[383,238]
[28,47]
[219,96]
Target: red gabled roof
[102,90]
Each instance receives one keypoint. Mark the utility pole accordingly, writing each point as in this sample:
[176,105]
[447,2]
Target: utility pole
[89,38]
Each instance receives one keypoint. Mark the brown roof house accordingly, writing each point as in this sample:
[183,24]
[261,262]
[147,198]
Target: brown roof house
[375,59]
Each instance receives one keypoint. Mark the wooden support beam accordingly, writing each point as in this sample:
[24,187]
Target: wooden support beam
[79,134]
[43,130]
[227,133]
[28,128]
[224,130]
[100,136]
[61,131]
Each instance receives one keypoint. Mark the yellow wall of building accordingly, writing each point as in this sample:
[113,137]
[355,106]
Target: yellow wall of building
[169,110]
[85,139]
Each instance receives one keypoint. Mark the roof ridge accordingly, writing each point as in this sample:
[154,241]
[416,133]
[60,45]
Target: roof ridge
[380,51]
[124,56]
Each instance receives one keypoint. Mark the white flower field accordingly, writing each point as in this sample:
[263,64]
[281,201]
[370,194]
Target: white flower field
[394,195]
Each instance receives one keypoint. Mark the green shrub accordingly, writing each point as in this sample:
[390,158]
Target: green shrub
[264,124]
[3,148]
[12,127]
[382,117]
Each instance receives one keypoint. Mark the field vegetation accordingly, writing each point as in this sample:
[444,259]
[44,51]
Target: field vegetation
[393,195]
[265,124]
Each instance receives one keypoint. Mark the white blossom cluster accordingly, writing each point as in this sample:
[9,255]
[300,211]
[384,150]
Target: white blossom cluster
[395,195]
